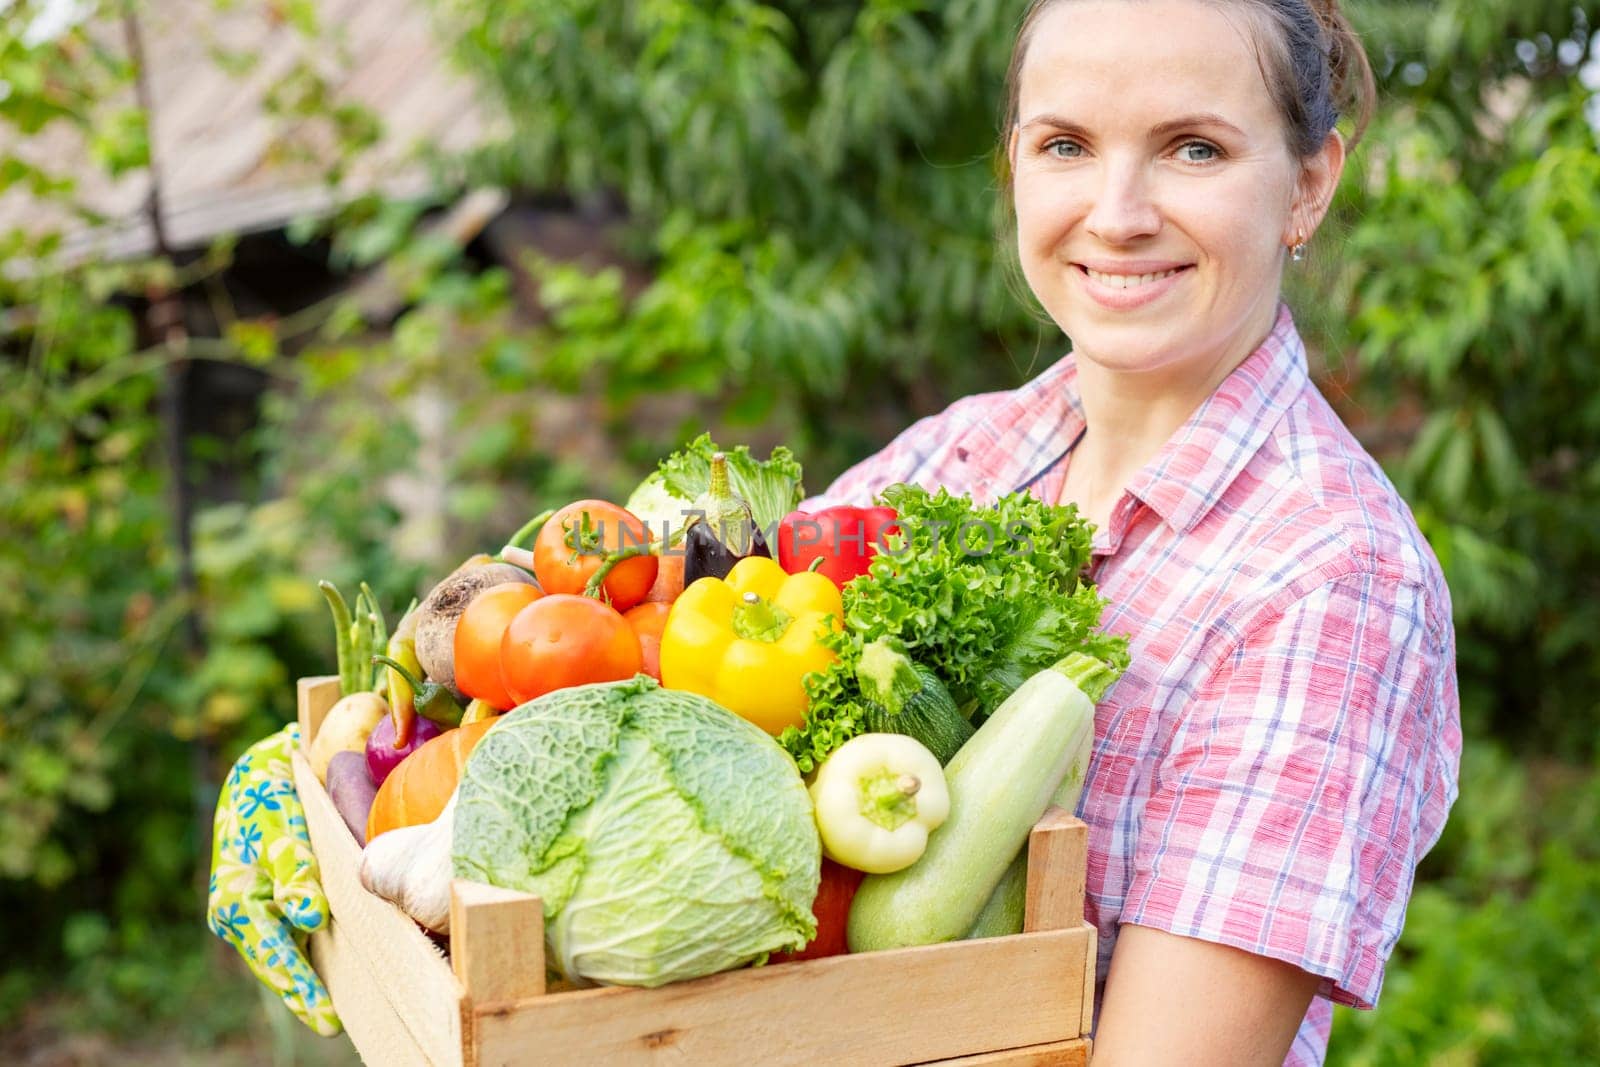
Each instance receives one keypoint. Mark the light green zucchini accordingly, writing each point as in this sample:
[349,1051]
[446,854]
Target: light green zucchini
[1007,905]
[1000,782]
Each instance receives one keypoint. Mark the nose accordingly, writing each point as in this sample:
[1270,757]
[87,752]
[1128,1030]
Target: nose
[1123,209]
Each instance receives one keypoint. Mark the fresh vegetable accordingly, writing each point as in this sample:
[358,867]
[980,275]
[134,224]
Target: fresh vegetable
[1006,909]
[844,538]
[382,757]
[398,692]
[772,487]
[666,838]
[411,868]
[902,697]
[416,791]
[877,798]
[832,909]
[433,699]
[1005,912]
[649,620]
[357,636]
[1000,783]
[479,711]
[345,729]
[669,576]
[351,788]
[594,547]
[564,640]
[440,610]
[984,596]
[479,632]
[748,642]
[721,531]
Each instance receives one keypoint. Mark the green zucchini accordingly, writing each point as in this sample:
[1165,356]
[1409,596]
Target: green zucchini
[1000,782]
[1007,905]
[902,697]
[1006,910]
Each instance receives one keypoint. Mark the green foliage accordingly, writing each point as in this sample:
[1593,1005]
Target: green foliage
[1470,283]
[809,183]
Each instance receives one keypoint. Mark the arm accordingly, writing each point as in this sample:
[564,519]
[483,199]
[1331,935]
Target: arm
[1310,768]
[1172,999]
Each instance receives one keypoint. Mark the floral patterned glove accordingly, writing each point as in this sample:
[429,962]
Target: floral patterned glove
[265,897]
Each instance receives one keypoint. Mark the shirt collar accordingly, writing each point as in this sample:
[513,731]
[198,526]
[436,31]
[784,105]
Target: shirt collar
[1209,451]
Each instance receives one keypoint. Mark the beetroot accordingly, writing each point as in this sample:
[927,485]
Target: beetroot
[383,757]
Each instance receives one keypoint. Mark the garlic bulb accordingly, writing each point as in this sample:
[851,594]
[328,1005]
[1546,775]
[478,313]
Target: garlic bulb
[411,868]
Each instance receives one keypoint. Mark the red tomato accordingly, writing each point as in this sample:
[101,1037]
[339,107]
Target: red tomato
[477,644]
[648,620]
[561,640]
[573,544]
[832,909]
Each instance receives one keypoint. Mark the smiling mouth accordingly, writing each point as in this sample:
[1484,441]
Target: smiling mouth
[1128,281]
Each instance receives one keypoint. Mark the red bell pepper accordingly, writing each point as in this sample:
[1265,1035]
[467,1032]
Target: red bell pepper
[844,538]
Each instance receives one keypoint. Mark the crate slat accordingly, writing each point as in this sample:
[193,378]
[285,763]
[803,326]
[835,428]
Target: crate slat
[404,968]
[895,1006]
[1074,1053]
[371,1022]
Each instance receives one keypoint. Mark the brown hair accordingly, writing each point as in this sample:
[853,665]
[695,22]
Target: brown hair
[1311,58]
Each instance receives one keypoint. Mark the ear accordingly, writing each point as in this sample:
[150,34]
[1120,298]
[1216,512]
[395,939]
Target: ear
[1011,146]
[1319,177]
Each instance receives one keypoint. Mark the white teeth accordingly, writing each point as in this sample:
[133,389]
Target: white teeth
[1128,281]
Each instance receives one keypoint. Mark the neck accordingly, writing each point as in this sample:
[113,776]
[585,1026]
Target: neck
[1130,414]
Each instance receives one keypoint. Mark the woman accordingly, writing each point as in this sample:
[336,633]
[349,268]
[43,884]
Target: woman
[1283,749]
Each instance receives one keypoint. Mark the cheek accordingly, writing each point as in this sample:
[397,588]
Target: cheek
[1046,210]
[1236,225]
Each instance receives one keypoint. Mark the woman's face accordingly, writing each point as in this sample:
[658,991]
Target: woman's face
[1154,186]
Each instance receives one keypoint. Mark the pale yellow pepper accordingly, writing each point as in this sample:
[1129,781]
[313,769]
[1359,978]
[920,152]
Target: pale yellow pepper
[747,641]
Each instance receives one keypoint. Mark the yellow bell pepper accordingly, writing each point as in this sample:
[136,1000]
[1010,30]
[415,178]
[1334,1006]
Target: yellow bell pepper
[747,641]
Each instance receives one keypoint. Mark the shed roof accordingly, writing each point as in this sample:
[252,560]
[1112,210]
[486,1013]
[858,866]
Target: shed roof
[226,162]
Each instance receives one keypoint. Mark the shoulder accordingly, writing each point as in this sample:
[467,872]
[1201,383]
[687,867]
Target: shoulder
[1322,511]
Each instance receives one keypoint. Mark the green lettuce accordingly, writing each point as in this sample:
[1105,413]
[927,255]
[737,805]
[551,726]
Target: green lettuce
[982,595]
[666,837]
[772,487]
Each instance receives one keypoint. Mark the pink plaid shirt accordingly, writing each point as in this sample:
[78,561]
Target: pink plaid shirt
[1284,748]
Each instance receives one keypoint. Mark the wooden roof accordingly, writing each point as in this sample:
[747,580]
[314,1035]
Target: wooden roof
[226,163]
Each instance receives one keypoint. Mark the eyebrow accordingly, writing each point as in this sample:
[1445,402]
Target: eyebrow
[1199,118]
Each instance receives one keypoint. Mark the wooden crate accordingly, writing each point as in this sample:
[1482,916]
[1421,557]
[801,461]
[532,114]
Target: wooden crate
[1020,1000]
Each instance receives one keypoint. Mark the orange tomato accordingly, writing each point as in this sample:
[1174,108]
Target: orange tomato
[648,620]
[477,643]
[561,640]
[574,542]
[669,577]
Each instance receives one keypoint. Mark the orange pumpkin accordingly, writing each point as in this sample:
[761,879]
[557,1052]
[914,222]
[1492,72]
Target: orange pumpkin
[417,791]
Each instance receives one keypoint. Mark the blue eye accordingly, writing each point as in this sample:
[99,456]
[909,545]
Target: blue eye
[1062,148]
[1214,153]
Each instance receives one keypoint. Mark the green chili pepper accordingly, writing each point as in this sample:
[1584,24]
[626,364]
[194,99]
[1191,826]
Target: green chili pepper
[432,700]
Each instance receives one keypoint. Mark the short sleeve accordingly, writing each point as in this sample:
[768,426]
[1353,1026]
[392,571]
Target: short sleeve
[1311,772]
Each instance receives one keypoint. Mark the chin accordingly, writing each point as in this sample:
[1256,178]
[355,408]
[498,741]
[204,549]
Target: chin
[1128,345]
